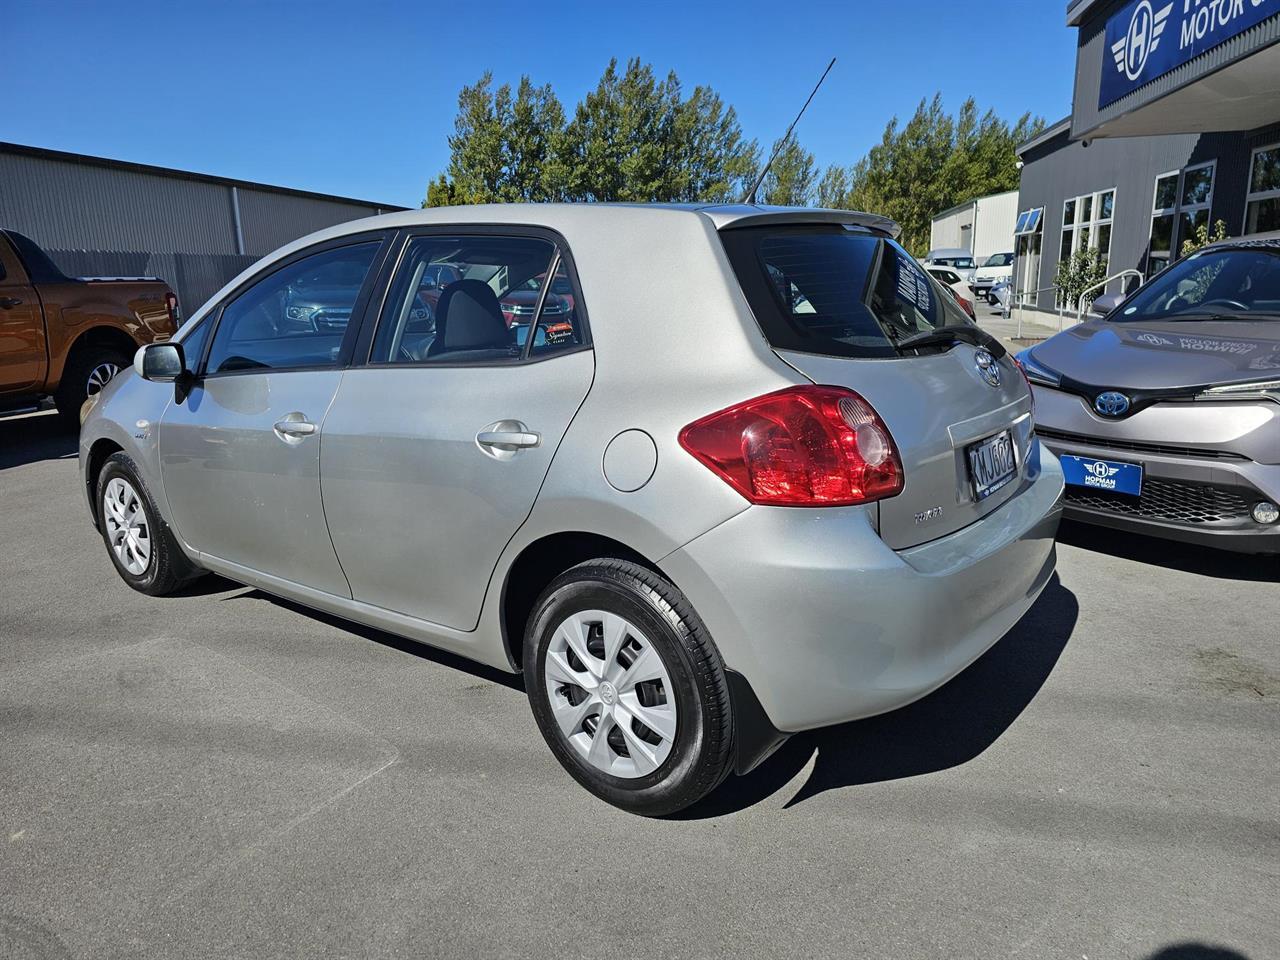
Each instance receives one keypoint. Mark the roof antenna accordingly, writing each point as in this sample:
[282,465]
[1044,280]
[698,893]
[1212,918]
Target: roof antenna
[750,196]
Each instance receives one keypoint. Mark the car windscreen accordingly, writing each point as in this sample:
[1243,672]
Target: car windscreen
[835,291]
[999,260]
[1240,284]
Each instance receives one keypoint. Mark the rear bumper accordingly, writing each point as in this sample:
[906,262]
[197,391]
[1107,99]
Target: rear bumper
[828,624]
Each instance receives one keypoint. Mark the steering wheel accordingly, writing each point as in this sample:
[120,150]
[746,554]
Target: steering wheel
[1235,304]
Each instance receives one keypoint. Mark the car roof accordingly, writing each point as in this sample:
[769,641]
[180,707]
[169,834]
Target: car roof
[556,215]
[1266,241]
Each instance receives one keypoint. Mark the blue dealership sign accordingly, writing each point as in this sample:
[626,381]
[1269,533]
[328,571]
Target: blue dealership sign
[1148,38]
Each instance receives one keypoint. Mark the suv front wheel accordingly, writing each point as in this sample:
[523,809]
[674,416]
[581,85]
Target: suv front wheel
[627,687]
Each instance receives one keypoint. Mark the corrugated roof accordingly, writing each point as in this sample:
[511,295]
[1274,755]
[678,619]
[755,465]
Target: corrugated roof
[25,150]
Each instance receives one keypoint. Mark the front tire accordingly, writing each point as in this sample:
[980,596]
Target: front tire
[627,687]
[141,545]
[89,369]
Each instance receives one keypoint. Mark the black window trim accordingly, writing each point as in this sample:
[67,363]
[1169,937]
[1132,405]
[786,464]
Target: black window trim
[355,324]
[391,267]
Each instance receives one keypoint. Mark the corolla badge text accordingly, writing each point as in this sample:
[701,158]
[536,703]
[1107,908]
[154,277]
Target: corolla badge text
[1111,404]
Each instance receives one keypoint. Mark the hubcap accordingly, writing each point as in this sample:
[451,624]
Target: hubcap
[611,694]
[99,377]
[128,530]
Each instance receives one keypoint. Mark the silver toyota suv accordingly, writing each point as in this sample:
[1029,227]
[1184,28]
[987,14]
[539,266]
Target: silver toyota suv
[755,474]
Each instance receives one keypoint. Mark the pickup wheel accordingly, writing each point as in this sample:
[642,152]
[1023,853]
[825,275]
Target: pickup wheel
[627,687]
[90,368]
[141,545]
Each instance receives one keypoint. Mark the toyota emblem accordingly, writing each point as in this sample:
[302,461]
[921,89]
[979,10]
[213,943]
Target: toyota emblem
[1111,404]
[988,367]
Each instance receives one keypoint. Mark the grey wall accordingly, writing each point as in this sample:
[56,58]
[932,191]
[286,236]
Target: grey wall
[1060,169]
[101,218]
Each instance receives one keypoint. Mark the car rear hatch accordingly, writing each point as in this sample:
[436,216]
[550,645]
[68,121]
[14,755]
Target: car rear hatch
[839,303]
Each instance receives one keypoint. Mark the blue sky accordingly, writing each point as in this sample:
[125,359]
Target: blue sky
[357,98]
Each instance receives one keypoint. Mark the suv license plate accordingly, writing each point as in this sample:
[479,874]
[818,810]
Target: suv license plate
[992,463]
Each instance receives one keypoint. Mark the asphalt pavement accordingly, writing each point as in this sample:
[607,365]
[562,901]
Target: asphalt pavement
[222,774]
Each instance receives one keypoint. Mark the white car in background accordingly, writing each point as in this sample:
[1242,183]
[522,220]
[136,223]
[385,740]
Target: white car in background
[959,289]
[997,267]
[954,258]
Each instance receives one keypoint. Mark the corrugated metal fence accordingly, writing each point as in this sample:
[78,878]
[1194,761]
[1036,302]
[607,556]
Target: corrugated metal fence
[194,277]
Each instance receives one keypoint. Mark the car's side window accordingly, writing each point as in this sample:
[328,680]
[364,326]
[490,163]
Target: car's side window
[193,343]
[475,299]
[294,317]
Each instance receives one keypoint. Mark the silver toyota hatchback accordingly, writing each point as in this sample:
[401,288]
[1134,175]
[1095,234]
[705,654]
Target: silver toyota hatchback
[707,476]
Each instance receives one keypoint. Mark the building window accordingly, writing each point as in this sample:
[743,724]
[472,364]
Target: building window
[1182,202]
[1027,252]
[1262,206]
[1086,222]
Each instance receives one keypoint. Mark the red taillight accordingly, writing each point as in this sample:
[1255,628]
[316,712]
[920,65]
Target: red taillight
[171,301]
[1030,389]
[800,447]
[966,306]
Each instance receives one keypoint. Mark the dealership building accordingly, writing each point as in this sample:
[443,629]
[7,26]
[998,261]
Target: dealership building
[1175,124]
[100,217]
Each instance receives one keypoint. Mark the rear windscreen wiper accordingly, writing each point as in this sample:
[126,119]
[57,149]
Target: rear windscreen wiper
[951,334]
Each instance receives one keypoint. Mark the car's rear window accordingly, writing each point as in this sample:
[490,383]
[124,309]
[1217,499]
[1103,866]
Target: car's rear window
[835,291]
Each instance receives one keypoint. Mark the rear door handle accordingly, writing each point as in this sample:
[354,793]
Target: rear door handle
[503,438]
[7,302]
[294,427]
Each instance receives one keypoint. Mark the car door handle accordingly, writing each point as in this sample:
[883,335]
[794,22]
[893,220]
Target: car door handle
[504,438]
[294,427]
[7,302]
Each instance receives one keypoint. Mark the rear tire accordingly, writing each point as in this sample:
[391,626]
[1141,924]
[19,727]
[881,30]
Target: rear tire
[141,545]
[90,368]
[627,687]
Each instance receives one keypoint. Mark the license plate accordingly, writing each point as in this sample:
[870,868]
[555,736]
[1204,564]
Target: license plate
[1113,475]
[992,463]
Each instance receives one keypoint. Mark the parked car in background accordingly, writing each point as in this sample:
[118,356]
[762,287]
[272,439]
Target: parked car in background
[625,514]
[66,337]
[958,288]
[1166,412]
[997,267]
[958,259]
[1001,295]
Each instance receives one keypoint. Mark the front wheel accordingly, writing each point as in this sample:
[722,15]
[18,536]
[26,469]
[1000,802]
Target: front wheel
[89,369]
[142,547]
[627,687]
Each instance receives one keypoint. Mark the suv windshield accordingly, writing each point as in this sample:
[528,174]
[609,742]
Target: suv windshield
[1236,283]
[999,260]
[834,291]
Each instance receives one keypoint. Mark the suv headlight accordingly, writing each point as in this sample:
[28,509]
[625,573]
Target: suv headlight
[1037,372]
[1258,390]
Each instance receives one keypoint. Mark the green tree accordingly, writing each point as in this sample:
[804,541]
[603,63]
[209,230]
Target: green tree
[1080,272]
[933,162]
[634,137]
[790,180]
[833,188]
[504,148]
[1202,238]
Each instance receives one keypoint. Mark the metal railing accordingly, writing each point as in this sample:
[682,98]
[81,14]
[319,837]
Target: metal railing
[1019,302]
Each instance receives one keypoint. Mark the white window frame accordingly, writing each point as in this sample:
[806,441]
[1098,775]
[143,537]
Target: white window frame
[1095,221]
[1250,196]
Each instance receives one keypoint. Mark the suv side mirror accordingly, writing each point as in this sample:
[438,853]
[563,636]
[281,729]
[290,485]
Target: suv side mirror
[1106,303]
[161,362]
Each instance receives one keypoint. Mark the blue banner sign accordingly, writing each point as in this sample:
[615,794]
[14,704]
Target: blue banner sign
[1148,38]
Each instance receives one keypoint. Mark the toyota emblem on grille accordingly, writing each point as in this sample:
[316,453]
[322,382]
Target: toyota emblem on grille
[1111,404]
[988,367]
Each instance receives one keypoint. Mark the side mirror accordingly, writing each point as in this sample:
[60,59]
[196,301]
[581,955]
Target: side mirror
[161,362]
[1106,303]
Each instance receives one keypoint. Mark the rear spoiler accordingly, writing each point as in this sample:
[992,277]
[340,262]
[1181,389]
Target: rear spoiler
[734,217]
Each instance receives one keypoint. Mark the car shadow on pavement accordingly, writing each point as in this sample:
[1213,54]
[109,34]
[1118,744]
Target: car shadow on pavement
[1170,554]
[420,650]
[32,437]
[1196,951]
[951,726]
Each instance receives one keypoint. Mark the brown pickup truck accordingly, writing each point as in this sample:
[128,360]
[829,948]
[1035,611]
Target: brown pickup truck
[65,337]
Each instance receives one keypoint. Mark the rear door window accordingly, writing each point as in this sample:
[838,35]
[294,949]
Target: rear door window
[835,291]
